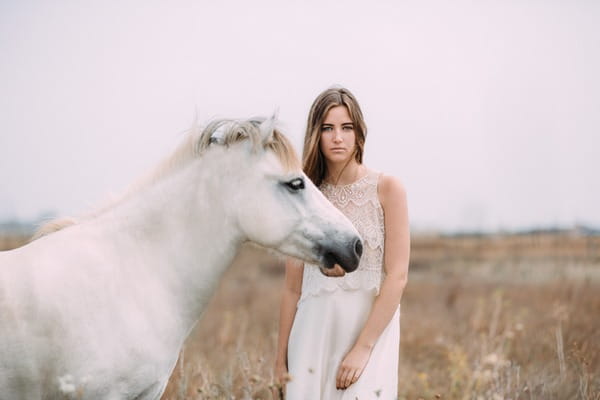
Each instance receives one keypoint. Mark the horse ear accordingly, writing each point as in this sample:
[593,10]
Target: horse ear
[268,126]
[218,135]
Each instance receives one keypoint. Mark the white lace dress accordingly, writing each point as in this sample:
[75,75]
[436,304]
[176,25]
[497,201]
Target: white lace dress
[332,311]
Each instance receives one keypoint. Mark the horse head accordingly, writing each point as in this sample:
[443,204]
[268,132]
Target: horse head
[275,205]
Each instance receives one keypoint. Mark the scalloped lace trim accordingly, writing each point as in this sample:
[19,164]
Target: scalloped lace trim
[360,203]
[315,283]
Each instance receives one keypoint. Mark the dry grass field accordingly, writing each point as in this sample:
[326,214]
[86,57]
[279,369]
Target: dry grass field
[493,317]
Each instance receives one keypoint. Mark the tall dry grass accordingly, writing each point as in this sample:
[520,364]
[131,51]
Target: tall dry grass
[505,317]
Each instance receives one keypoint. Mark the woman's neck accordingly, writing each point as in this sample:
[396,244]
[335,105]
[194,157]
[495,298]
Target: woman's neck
[344,174]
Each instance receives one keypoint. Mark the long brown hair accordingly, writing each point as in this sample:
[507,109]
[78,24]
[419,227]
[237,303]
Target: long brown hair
[313,161]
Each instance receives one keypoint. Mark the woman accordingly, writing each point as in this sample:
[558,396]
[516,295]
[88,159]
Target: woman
[339,334]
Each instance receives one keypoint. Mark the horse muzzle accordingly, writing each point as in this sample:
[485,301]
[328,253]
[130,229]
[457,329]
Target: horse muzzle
[346,254]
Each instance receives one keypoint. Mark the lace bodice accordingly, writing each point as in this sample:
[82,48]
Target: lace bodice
[360,203]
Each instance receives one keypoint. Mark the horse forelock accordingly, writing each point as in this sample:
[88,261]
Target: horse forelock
[283,149]
[227,132]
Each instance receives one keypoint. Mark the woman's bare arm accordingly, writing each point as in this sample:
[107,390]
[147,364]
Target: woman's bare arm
[291,294]
[396,255]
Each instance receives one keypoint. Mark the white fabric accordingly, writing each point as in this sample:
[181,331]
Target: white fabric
[332,312]
[324,330]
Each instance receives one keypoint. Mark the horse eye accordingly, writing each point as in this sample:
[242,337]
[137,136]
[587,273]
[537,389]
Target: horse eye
[295,184]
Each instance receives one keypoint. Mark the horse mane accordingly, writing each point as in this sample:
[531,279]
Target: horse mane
[197,141]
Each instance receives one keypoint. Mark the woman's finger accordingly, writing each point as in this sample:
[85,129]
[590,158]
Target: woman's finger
[335,271]
[349,378]
[338,378]
[341,378]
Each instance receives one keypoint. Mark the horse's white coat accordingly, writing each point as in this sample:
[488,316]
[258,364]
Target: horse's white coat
[100,309]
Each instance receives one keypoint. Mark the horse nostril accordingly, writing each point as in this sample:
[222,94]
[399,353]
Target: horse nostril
[358,247]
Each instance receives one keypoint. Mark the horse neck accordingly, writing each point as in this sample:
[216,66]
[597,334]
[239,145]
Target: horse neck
[184,234]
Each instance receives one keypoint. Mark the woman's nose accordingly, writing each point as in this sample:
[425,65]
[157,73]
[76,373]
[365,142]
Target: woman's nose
[337,137]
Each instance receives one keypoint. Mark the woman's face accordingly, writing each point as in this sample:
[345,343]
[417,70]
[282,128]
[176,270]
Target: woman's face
[338,140]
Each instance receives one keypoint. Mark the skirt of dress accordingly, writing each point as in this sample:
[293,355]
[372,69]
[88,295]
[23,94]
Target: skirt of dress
[324,330]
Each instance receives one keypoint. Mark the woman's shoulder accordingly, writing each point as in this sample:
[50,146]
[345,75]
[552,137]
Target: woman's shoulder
[390,189]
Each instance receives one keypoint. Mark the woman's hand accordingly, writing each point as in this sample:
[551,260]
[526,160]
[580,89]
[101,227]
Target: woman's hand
[335,271]
[281,373]
[281,378]
[352,366]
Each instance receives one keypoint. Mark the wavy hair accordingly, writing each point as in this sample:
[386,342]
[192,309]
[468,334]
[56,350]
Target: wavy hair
[313,161]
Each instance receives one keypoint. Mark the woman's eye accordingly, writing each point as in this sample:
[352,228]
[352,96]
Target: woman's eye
[295,184]
[325,129]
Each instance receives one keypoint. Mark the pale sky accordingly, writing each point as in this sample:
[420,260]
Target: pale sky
[488,111]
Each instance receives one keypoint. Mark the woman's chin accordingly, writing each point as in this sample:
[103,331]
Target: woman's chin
[338,158]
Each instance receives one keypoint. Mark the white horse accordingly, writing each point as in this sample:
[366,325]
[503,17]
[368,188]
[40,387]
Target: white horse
[100,308]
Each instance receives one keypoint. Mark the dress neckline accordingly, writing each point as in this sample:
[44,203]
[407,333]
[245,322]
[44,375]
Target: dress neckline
[347,185]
